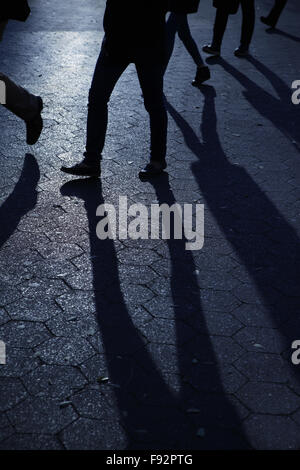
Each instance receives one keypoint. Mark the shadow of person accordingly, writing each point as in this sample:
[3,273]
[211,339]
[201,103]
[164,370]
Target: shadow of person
[282,33]
[156,423]
[201,387]
[144,399]
[21,200]
[264,243]
[281,112]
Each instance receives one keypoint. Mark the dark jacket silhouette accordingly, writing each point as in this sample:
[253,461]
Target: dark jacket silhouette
[133,28]
[183,6]
[14,10]
[231,6]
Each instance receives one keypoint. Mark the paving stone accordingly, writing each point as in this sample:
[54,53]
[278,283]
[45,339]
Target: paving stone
[31,442]
[172,330]
[268,398]
[272,432]
[12,392]
[59,251]
[137,257]
[54,381]
[23,334]
[259,339]
[262,367]
[32,309]
[19,361]
[65,351]
[89,434]
[46,416]
[168,332]
[253,316]
[6,428]
[4,318]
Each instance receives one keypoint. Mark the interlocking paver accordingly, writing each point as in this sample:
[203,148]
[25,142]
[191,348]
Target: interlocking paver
[140,344]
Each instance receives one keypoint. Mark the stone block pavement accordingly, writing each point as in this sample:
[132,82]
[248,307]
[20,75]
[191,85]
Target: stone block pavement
[142,344]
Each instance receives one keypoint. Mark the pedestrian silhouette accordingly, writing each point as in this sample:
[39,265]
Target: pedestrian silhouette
[15,98]
[133,34]
[273,17]
[224,9]
[178,23]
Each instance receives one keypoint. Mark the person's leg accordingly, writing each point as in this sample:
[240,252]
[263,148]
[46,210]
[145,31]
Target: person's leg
[276,11]
[18,100]
[106,75]
[219,27]
[2,28]
[151,81]
[184,34]
[171,30]
[24,105]
[248,11]
[218,32]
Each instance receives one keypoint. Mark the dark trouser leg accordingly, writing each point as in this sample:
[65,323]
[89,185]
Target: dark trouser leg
[184,34]
[17,99]
[248,10]
[171,30]
[106,75]
[276,11]
[219,27]
[151,81]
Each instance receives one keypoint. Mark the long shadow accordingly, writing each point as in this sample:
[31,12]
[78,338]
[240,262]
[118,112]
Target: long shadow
[283,33]
[21,200]
[263,241]
[281,112]
[204,391]
[143,394]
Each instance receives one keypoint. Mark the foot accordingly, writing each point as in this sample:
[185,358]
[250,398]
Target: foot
[211,49]
[241,51]
[265,20]
[152,169]
[83,169]
[202,75]
[34,127]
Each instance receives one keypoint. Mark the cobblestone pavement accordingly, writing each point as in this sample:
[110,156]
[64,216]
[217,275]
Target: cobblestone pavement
[196,346]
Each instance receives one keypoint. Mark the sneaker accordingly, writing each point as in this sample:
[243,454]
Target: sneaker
[202,75]
[152,169]
[83,169]
[210,49]
[34,126]
[241,51]
[266,21]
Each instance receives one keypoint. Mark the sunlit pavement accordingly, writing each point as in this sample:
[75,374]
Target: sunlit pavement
[143,344]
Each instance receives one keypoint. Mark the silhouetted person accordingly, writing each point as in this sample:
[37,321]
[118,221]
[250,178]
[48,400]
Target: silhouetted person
[178,23]
[15,98]
[224,9]
[134,33]
[273,16]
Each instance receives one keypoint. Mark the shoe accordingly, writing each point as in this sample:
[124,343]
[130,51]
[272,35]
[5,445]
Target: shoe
[210,49]
[241,51]
[265,20]
[34,127]
[202,75]
[152,169]
[83,169]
